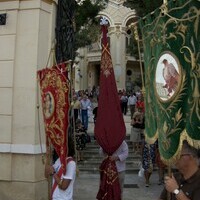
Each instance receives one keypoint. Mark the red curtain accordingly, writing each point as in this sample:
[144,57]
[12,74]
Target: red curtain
[110,129]
[54,90]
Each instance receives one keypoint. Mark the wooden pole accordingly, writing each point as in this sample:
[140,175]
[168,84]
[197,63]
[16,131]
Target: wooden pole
[49,162]
[140,59]
[169,171]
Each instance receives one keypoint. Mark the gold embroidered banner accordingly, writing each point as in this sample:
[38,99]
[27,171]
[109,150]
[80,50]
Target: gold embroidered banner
[54,89]
[110,128]
[171,38]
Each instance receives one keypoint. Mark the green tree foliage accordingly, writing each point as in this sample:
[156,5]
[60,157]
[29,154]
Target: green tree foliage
[143,7]
[87,24]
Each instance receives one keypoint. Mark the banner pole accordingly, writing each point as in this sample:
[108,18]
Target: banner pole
[169,171]
[140,60]
[72,108]
[48,162]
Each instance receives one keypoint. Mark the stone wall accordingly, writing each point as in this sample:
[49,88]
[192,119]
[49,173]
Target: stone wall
[26,40]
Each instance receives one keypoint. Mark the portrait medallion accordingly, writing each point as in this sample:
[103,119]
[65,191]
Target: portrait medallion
[167,76]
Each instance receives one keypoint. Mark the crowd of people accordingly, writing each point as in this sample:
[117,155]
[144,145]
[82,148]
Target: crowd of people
[185,184]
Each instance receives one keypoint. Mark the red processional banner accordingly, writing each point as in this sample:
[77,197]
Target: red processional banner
[110,130]
[54,88]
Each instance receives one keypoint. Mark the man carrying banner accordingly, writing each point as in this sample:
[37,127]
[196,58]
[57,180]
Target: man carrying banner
[54,88]
[119,156]
[62,188]
[184,185]
[110,130]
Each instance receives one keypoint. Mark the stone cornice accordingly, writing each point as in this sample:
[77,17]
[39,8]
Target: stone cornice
[22,148]
[46,1]
[50,1]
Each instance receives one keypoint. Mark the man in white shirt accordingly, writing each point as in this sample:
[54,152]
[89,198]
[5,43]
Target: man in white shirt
[85,105]
[119,156]
[62,187]
[131,103]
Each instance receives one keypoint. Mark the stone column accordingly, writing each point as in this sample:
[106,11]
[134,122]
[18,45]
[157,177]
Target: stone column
[117,41]
[25,40]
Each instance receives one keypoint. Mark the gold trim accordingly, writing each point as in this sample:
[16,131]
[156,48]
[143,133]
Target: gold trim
[53,80]
[171,18]
[183,136]
[151,140]
[158,35]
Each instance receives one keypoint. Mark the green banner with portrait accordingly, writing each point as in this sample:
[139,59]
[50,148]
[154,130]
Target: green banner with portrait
[171,41]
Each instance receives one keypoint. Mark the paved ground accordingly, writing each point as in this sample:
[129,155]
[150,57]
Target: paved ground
[86,185]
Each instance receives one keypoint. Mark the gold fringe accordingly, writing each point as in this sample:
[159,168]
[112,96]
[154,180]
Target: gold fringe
[183,136]
[151,140]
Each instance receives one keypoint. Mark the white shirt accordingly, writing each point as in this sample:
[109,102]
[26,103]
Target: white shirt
[122,153]
[132,100]
[70,174]
[85,104]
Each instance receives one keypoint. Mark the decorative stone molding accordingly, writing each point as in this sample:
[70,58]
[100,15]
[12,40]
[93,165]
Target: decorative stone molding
[118,31]
[118,1]
[50,1]
[22,148]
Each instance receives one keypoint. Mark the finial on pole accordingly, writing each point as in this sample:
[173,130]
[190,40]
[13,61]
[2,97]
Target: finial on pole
[104,21]
[104,26]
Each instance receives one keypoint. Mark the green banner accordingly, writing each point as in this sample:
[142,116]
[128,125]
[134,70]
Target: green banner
[171,40]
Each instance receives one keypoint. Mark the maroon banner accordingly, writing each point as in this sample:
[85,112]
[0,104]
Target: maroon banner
[109,187]
[110,128]
[54,89]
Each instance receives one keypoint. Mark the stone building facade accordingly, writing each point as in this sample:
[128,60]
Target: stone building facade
[126,67]
[25,40]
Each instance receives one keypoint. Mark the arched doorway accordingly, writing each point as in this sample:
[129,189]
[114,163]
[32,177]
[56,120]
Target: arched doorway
[93,74]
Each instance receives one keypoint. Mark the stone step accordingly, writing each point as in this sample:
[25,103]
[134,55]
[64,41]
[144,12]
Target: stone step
[127,137]
[89,165]
[97,162]
[96,150]
[94,144]
[94,157]
[95,170]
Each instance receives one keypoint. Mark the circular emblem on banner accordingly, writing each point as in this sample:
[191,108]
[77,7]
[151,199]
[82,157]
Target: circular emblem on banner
[49,105]
[168,76]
